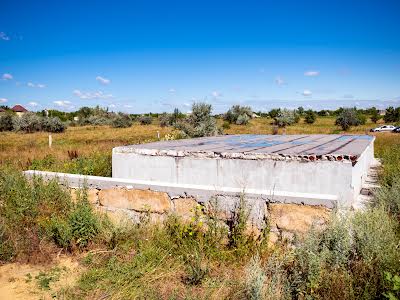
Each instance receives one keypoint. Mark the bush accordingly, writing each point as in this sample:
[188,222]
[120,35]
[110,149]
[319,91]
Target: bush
[226,125]
[29,122]
[392,115]
[348,117]
[199,123]
[242,120]
[255,277]
[36,212]
[286,117]
[239,115]
[164,119]
[6,122]
[96,120]
[145,120]
[121,121]
[53,125]
[310,116]
[375,117]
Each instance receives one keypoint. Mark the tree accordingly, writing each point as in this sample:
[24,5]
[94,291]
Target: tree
[310,116]
[375,117]
[348,117]
[273,113]
[300,110]
[199,123]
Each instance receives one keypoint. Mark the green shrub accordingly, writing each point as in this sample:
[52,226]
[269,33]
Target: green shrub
[53,125]
[389,197]
[310,116]
[349,117]
[145,120]
[164,119]
[286,117]
[376,239]
[29,122]
[121,121]
[199,123]
[375,117]
[36,211]
[255,277]
[239,115]
[243,120]
[6,122]
[226,125]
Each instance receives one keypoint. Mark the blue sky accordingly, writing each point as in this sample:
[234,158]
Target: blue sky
[141,56]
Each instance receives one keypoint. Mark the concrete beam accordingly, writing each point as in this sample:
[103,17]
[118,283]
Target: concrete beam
[202,193]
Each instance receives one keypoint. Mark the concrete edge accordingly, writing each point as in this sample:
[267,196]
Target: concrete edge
[202,193]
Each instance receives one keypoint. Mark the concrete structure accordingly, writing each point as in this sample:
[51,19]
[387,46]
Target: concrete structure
[326,170]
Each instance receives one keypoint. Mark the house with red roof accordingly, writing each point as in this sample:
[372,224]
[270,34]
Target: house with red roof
[19,110]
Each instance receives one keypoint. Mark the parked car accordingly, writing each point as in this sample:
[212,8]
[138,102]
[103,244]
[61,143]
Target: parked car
[396,130]
[383,128]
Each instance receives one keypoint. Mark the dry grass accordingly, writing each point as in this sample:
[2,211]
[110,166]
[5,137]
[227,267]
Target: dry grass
[20,148]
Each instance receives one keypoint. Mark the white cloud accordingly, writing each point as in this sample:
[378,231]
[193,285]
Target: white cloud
[3,100]
[7,76]
[172,90]
[128,106]
[216,94]
[112,105]
[4,36]
[33,85]
[92,95]
[311,73]
[63,103]
[279,80]
[102,80]
[307,93]
[33,104]
[187,104]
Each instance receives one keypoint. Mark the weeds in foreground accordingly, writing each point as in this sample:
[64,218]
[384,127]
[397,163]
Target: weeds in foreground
[38,217]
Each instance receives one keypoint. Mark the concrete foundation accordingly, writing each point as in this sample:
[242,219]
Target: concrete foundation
[324,170]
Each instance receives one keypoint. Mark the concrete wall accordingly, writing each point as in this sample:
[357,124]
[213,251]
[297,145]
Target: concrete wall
[286,180]
[360,169]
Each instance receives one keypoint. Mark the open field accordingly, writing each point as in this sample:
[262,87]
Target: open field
[180,260]
[31,150]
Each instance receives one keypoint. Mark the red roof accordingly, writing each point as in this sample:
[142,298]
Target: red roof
[19,108]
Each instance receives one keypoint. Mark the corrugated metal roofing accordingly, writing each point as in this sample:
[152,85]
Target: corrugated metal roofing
[252,146]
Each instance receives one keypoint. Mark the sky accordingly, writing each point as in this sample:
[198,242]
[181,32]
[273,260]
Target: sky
[153,56]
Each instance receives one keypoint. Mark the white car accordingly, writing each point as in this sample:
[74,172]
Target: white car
[383,128]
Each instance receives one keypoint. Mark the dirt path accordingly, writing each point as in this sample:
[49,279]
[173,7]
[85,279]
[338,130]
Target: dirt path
[28,282]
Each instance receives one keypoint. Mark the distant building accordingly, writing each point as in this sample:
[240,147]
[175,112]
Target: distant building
[382,112]
[19,110]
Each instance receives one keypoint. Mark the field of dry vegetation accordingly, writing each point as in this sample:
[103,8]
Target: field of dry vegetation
[53,248]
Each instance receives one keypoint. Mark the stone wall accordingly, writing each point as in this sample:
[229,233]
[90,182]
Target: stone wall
[133,201]
[283,220]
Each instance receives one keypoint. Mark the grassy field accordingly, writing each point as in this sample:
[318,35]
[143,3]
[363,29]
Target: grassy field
[354,257]
[94,144]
